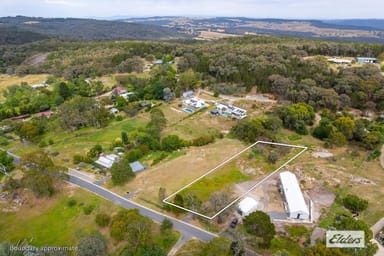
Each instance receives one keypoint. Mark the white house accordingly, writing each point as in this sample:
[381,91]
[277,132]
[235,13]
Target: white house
[295,203]
[106,161]
[231,111]
[195,102]
[247,206]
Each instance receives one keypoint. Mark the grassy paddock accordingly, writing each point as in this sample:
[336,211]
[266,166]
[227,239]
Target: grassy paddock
[53,221]
[7,80]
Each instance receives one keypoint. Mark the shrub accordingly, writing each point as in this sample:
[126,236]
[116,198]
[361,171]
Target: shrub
[71,202]
[88,209]
[166,225]
[42,144]
[355,203]
[119,118]
[102,219]
[273,156]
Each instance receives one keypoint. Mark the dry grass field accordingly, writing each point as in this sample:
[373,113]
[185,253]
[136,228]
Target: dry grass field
[178,172]
[7,80]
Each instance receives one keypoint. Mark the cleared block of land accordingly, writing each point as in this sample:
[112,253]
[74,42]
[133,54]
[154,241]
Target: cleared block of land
[213,192]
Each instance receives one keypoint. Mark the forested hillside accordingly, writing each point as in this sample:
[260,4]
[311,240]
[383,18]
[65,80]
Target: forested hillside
[35,29]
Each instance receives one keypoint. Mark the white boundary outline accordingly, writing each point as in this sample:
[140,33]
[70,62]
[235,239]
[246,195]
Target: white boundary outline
[249,190]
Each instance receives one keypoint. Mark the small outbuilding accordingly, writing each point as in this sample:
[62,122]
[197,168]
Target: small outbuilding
[365,60]
[295,203]
[247,206]
[137,166]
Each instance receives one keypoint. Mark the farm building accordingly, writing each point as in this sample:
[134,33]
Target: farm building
[295,203]
[365,60]
[106,161]
[247,206]
[137,166]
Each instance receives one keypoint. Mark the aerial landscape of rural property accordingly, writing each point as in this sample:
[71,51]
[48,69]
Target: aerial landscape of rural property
[171,128]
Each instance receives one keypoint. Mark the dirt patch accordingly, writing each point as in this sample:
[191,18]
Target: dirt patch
[209,35]
[37,59]
[322,154]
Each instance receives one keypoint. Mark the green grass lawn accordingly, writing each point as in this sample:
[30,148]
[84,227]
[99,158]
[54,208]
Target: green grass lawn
[54,223]
[68,144]
[217,181]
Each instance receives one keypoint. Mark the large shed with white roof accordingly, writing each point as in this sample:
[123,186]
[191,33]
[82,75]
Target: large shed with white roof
[296,206]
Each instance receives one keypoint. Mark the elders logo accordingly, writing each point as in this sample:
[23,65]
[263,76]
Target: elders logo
[345,239]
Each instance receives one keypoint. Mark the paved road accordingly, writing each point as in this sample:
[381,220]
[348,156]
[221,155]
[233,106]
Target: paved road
[186,229]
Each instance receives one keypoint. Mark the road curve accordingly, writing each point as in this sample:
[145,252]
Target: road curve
[186,229]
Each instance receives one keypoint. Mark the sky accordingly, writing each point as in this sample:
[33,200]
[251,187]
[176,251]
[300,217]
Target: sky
[295,9]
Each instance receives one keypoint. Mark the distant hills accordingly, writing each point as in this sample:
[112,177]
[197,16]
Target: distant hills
[364,30]
[21,29]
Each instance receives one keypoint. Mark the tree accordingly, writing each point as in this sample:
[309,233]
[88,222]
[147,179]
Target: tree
[337,138]
[92,245]
[121,172]
[345,125]
[124,138]
[63,90]
[372,140]
[171,143]
[188,80]
[29,132]
[354,203]
[168,94]
[81,112]
[133,155]
[259,224]
[166,225]
[321,249]
[152,251]
[217,201]
[350,223]
[6,160]
[40,173]
[95,151]
[102,219]
[273,156]
[219,246]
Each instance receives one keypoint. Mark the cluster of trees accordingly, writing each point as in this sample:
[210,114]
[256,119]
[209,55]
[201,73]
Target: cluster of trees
[137,232]
[354,203]
[339,129]
[275,65]
[23,99]
[295,117]
[40,174]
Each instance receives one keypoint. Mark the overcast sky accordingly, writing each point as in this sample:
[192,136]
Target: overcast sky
[302,9]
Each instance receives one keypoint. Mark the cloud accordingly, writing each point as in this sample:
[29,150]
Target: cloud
[64,3]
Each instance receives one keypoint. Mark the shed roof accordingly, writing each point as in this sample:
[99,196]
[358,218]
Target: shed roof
[106,160]
[247,205]
[293,194]
[137,166]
